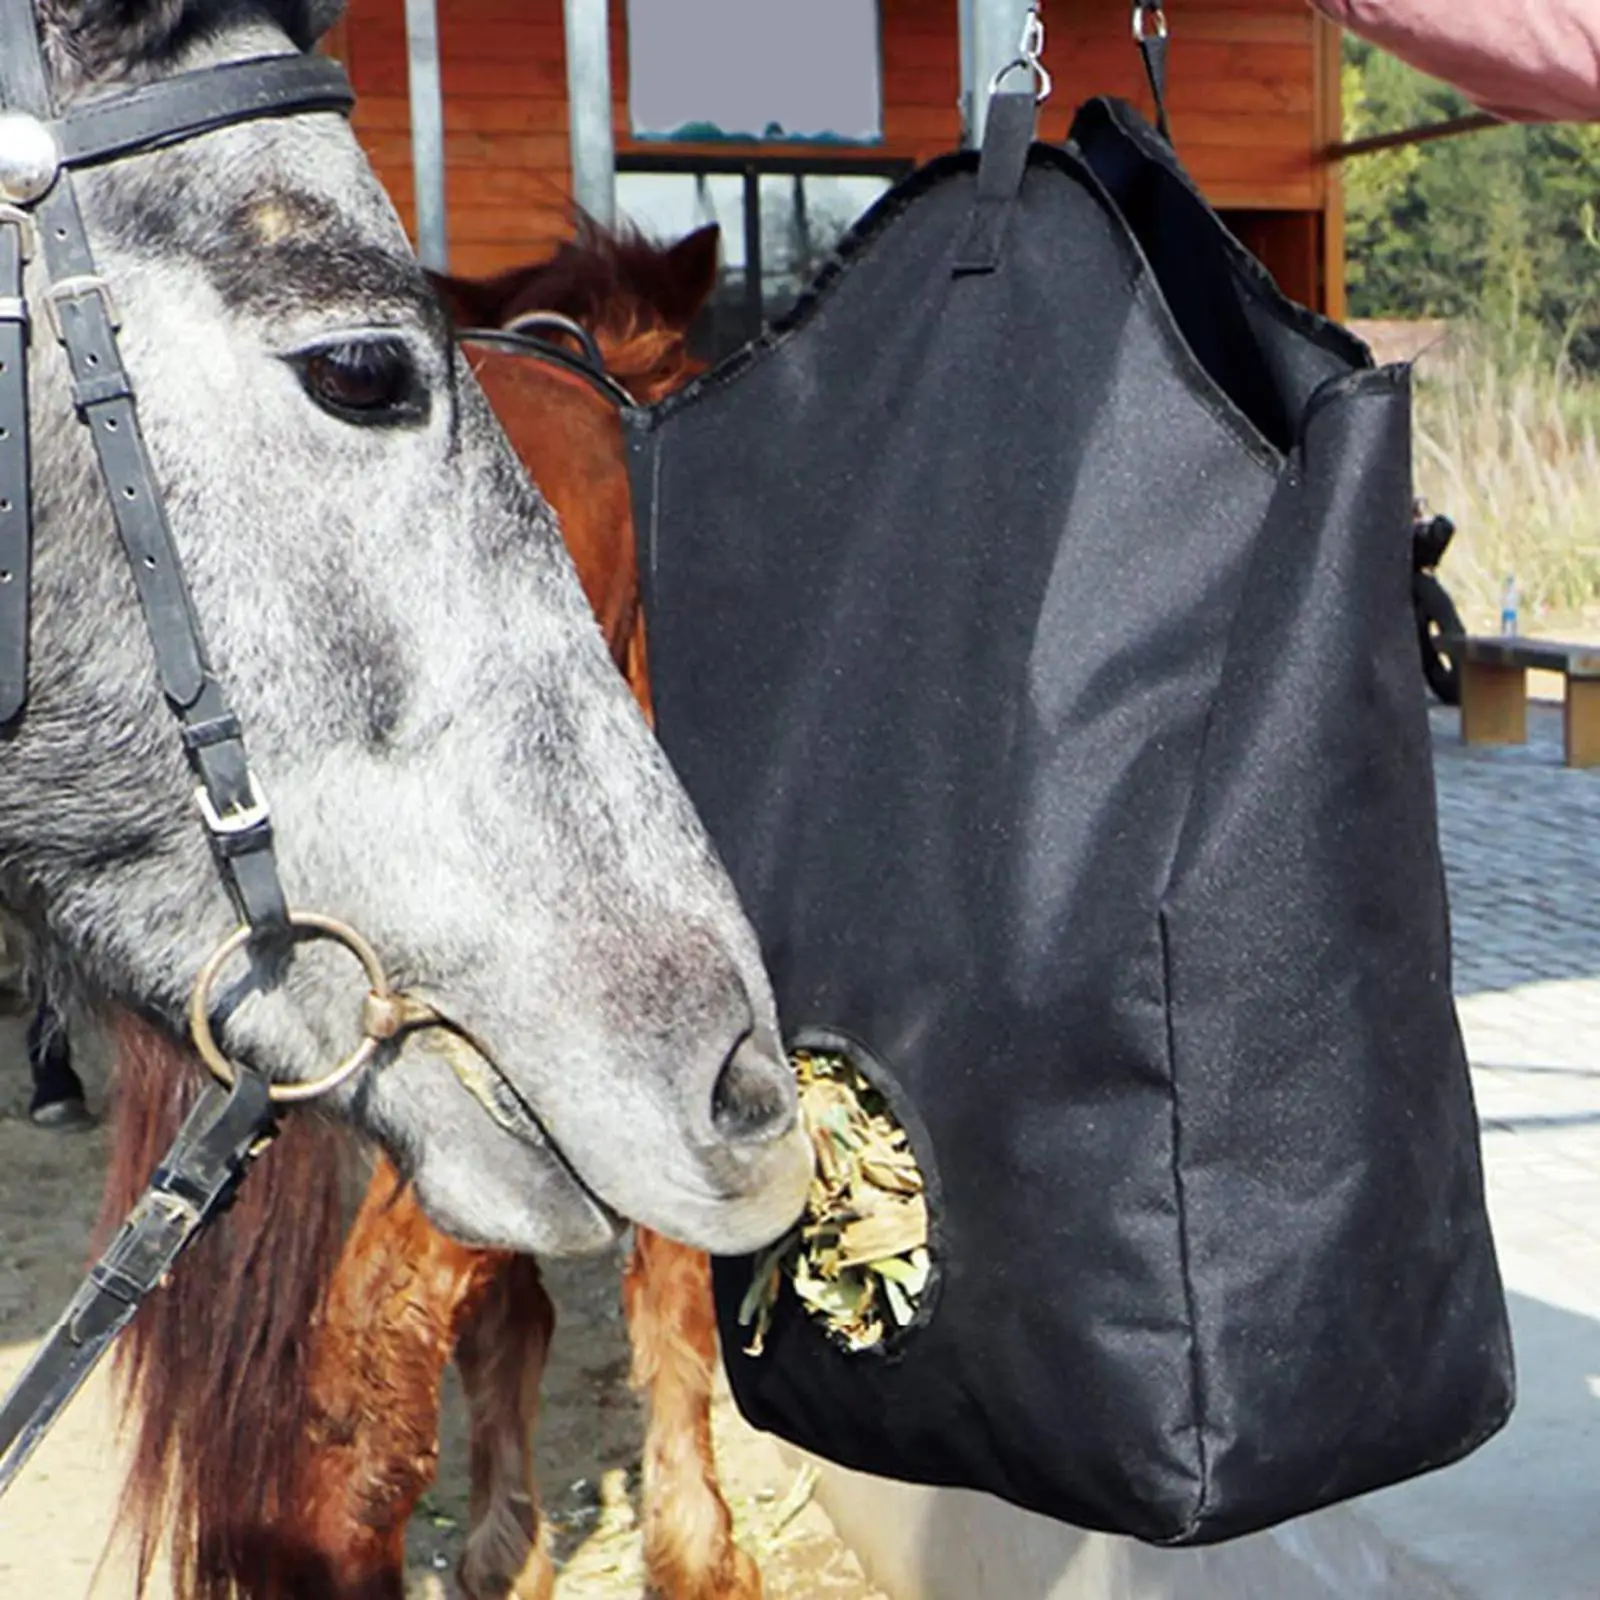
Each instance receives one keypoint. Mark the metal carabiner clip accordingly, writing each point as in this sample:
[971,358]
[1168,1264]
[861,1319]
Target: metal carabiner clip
[1149,21]
[1029,58]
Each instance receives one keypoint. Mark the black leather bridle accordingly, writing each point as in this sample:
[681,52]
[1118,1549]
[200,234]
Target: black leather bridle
[39,211]
[537,334]
[40,149]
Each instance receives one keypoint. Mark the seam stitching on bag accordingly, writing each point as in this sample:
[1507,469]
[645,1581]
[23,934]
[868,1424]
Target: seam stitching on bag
[1204,389]
[1145,288]
[1286,476]
[1196,1375]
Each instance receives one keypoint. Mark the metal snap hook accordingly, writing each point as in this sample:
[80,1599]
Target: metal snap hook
[1029,59]
[385,1013]
[1149,21]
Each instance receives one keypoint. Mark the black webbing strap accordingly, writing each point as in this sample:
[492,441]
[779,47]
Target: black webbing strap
[1007,138]
[22,80]
[219,1139]
[78,306]
[1150,30]
[16,522]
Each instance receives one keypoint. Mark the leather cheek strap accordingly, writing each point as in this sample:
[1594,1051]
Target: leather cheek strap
[16,533]
[80,308]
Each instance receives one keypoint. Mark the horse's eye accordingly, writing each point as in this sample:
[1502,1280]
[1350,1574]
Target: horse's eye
[370,381]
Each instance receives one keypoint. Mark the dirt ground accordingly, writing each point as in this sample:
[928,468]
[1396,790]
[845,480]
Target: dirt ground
[56,1521]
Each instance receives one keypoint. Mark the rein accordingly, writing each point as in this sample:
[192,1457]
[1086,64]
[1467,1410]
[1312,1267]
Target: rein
[236,1117]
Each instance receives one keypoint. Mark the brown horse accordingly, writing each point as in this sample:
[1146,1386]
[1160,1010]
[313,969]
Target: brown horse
[288,1426]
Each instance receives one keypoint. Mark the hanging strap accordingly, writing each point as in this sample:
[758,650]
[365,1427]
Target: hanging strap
[1150,33]
[1007,138]
[221,1136]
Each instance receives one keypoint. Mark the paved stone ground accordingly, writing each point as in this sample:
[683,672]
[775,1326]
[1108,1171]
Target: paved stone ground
[1521,1519]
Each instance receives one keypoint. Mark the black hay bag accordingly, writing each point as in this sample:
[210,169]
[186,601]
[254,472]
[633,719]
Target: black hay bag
[1030,621]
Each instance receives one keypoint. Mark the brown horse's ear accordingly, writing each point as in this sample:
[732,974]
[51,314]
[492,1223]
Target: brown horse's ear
[467,302]
[689,275]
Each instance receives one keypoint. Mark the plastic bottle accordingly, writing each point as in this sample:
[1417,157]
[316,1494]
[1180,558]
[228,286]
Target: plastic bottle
[1508,606]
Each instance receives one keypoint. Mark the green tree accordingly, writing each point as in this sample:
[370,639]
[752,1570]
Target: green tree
[1499,225]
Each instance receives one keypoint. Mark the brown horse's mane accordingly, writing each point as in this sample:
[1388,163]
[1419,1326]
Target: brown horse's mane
[217,1364]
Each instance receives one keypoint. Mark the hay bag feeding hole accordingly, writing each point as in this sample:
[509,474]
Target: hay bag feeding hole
[858,1259]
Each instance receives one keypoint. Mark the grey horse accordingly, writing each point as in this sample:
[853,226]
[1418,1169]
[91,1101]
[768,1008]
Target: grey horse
[454,767]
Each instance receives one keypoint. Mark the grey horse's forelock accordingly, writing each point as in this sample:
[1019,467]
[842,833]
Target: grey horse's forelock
[88,40]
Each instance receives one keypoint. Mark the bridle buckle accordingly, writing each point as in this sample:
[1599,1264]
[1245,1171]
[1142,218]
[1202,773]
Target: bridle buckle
[16,217]
[241,818]
[82,287]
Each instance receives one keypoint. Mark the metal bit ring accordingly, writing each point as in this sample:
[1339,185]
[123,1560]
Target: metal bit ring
[377,1015]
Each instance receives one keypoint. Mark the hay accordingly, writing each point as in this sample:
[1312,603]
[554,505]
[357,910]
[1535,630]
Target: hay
[609,1564]
[858,1260]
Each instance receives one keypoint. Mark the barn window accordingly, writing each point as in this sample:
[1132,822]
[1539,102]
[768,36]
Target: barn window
[755,70]
[780,219]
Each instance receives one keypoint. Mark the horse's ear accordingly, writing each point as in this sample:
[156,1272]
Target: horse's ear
[469,302]
[99,35]
[690,274]
[305,21]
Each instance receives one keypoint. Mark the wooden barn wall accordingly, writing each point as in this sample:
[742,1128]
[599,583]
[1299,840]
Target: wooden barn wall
[1254,95]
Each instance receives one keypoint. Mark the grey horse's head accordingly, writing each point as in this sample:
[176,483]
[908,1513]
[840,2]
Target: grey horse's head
[453,764]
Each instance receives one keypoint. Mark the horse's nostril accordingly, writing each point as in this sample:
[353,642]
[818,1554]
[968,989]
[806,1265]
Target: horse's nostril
[753,1099]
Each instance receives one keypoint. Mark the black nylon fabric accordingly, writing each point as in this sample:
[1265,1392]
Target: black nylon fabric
[1037,646]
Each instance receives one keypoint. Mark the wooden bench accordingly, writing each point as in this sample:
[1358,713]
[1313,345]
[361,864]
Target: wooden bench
[1494,690]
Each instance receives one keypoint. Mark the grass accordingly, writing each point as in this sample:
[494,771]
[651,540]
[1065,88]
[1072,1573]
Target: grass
[1508,445]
